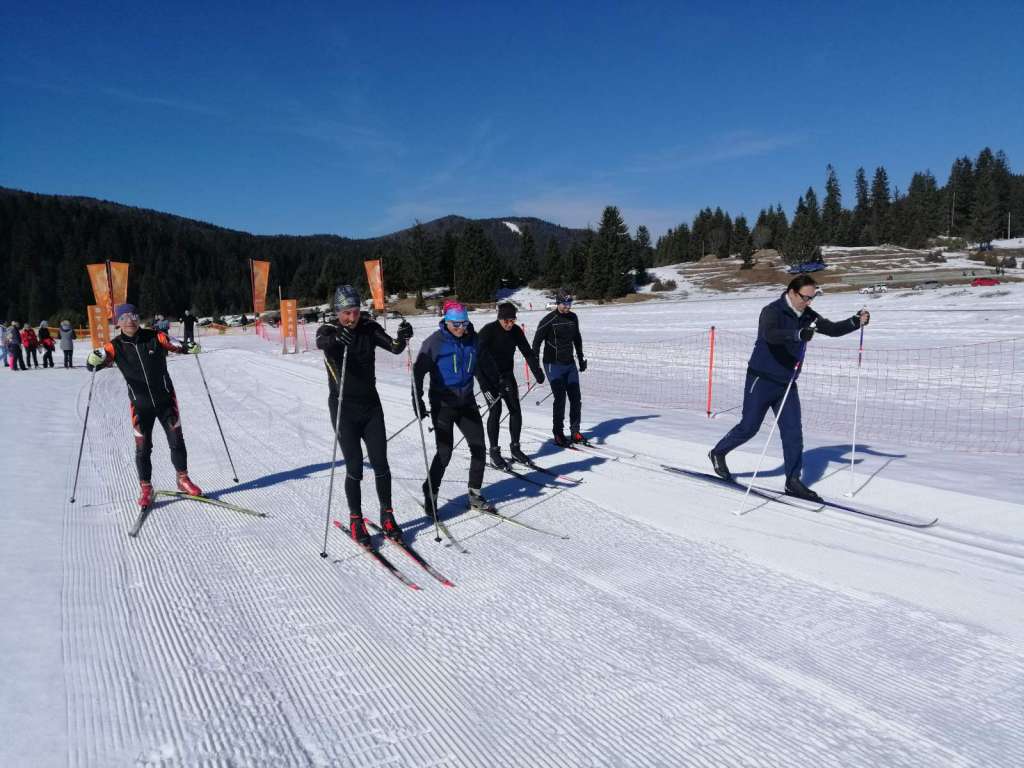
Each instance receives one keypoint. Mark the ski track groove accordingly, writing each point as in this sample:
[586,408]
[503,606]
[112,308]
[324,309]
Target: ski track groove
[245,647]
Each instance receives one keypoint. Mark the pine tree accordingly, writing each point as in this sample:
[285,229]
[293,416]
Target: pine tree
[553,266]
[803,240]
[527,268]
[880,202]
[832,209]
[958,197]
[742,240]
[610,258]
[643,255]
[476,265]
[861,220]
[923,211]
[985,211]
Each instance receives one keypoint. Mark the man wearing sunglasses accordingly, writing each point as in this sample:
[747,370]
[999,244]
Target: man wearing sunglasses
[452,357]
[349,344]
[559,332]
[784,329]
[141,356]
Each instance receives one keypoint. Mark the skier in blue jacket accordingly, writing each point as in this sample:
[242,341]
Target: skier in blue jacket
[784,329]
[452,357]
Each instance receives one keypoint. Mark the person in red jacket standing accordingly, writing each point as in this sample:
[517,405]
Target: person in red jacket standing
[30,343]
[141,356]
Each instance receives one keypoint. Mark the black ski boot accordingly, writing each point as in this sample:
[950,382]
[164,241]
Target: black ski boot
[497,460]
[794,487]
[718,464]
[561,440]
[389,525]
[429,501]
[478,502]
[517,454]
[357,529]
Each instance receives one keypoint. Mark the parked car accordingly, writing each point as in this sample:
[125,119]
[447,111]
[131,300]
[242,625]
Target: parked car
[927,285]
[983,281]
[204,321]
[877,288]
[807,266]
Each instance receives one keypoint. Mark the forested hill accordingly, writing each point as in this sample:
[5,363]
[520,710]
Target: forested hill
[179,263]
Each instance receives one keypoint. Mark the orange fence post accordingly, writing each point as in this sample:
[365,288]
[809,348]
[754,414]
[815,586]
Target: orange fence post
[711,367]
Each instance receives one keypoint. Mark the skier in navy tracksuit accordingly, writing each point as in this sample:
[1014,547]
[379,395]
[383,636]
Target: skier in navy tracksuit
[559,332]
[784,329]
[452,356]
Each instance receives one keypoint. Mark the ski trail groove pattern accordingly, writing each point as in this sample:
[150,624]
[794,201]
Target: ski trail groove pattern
[216,639]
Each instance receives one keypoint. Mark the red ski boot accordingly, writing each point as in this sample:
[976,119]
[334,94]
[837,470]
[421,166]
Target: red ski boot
[145,495]
[357,529]
[185,485]
[390,526]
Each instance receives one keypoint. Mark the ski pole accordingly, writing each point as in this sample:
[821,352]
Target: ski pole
[775,423]
[234,473]
[334,451]
[488,410]
[856,409]
[81,444]
[423,442]
[402,428]
[549,394]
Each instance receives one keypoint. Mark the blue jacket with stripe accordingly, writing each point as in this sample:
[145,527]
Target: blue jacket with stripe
[453,363]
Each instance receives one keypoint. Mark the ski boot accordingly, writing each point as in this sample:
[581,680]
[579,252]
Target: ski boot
[145,494]
[389,525]
[477,501]
[577,437]
[497,460]
[185,485]
[561,440]
[357,529]
[718,464]
[794,487]
[428,501]
[517,454]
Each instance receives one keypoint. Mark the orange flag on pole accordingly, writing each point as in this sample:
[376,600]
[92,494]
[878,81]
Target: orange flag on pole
[99,331]
[375,277]
[289,323]
[260,273]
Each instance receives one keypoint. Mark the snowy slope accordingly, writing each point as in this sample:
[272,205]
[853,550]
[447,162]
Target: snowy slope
[664,631]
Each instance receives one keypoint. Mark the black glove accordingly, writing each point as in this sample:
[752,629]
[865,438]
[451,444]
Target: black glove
[538,372]
[404,330]
[806,334]
[865,314]
[583,364]
[344,336]
[419,407]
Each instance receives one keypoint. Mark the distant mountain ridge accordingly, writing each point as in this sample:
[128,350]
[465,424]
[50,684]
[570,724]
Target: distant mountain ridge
[178,262]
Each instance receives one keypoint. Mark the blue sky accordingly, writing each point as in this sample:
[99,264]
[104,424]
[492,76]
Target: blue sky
[357,119]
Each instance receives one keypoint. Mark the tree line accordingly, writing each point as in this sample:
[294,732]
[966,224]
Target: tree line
[178,263]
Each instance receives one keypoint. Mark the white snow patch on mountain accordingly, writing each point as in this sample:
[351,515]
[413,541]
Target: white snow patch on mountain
[514,227]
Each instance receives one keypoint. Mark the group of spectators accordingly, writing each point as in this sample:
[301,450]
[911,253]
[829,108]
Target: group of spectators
[21,345]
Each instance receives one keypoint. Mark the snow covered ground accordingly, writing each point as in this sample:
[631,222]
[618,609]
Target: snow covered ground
[665,631]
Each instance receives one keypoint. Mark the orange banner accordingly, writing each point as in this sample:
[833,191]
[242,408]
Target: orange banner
[260,278]
[100,287]
[289,322]
[375,277]
[99,330]
[119,282]
[103,282]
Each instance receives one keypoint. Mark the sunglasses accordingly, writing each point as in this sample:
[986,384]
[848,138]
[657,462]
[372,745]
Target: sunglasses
[129,316]
[807,298]
[458,323]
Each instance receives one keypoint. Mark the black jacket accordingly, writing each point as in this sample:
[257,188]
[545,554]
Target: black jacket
[560,334]
[142,360]
[778,338]
[189,321]
[501,345]
[360,371]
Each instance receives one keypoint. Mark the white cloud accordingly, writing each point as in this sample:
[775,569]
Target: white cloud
[729,146]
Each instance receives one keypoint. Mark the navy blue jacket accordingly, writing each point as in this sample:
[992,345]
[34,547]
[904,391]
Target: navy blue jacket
[778,338]
[452,364]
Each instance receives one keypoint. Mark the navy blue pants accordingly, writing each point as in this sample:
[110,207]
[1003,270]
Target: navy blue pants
[759,395]
[564,379]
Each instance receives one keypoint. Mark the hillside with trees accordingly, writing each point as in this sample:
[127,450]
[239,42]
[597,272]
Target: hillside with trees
[178,263]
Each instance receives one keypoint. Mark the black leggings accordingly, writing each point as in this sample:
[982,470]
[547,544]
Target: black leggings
[509,389]
[67,357]
[31,357]
[467,418]
[143,420]
[47,358]
[366,424]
